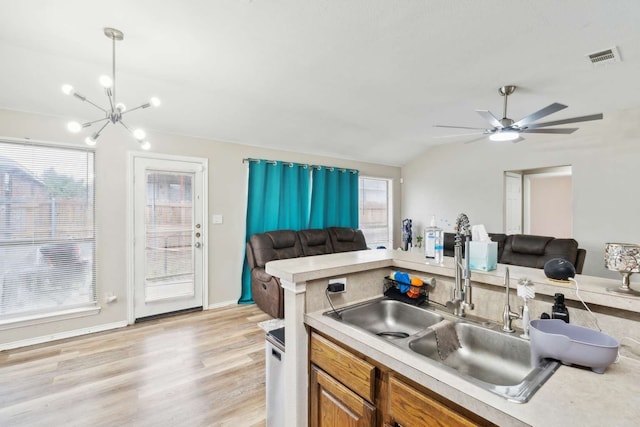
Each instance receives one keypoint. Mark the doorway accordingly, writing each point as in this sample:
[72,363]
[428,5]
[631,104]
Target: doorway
[169,235]
[543,203]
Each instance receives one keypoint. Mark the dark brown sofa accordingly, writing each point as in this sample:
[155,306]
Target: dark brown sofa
[530,251]
[284,244]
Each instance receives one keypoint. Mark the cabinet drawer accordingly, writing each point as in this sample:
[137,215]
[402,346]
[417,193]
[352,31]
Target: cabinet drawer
[411,408]
[350,370]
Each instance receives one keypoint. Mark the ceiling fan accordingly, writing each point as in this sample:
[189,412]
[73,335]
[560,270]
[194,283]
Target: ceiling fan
[506,129]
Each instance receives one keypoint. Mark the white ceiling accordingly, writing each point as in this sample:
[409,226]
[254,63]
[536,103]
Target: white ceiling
[357,79]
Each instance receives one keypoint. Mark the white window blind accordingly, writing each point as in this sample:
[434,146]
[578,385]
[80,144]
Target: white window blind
[374,211]
[47,231]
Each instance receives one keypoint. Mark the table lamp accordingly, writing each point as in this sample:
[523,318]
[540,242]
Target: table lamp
[624,258]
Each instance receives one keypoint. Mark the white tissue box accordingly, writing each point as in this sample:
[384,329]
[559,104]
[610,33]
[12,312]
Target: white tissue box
[483,255]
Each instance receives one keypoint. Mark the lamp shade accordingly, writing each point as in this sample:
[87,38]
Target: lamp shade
[623,257]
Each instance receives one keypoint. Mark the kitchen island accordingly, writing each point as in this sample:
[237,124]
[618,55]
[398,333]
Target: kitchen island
[572,396]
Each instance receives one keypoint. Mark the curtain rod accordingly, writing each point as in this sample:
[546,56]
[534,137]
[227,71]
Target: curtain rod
[304,165]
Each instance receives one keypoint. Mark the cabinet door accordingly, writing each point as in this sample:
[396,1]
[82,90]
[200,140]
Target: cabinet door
[334,405]
[410,408]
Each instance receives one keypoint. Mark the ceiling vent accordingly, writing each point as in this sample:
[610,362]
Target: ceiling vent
[608,56]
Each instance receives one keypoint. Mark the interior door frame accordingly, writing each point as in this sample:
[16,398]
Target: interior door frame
[133,155]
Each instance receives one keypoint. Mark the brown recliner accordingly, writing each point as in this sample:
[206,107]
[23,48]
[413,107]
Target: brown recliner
[534,251]
[528,250]
[283,244]
[265,247]
[315,241]
[346,239]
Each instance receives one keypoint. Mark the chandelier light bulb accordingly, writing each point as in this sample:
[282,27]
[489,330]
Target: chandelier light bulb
[139,134]
[121,107]
[145,145]
[74,127]
[91,140]
[508,135]
[67,89]
[155,102]
[106,81]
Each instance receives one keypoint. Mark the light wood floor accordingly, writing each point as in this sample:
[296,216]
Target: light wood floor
[197,369]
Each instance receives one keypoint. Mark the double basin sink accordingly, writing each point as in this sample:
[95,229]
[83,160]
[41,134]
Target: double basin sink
[493,360]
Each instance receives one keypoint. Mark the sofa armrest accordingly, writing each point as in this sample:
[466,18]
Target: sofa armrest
[580,257]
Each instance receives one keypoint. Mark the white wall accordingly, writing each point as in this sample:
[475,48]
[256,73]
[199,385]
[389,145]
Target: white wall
[227,196]
[604,155]
[550,206]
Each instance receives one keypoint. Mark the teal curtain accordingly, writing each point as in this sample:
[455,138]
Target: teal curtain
[278,200]
[334,198]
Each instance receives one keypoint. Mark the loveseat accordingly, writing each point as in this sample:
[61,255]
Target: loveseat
[284,244]
[528,250]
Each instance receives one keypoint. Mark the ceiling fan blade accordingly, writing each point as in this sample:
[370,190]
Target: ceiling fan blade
[486,114]
[483,137]
[562,131]
[458,134]
[457,127]
[549,109]
[565,121]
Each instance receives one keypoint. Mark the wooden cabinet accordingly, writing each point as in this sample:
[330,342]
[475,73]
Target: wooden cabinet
[409,407]
[349,369]
[341,386]
[349,390]
[333,404]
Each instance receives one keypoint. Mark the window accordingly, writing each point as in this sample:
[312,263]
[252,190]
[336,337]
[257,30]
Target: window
[47,232]
[374,212]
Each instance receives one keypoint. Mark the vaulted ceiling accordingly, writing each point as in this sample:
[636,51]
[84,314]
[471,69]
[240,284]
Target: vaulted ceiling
[357,79]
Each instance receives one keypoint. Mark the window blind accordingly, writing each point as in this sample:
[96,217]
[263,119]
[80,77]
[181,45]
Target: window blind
[47,229]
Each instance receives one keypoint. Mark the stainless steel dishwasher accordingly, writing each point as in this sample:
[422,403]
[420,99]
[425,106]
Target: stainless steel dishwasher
[274,353]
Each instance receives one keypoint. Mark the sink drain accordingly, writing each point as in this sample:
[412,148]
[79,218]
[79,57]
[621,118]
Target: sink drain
[392,334]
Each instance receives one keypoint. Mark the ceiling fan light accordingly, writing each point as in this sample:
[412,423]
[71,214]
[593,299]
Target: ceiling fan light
[67,89]
[74,127]
[155,102]
[139,134]
[91,140]
[508,135]
[121,107]
[106,82]
[145,145]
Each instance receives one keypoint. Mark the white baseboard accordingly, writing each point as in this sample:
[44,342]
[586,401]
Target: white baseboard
[62,335]
[222,304]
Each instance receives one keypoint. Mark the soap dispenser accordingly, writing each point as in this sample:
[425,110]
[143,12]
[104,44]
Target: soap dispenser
[559,310]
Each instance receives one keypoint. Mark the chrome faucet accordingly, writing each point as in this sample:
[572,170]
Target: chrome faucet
[507,314]
[461,299]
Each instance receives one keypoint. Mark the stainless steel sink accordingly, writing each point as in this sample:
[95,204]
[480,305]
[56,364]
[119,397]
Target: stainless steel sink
[491,359]
[388,318]
[494,360]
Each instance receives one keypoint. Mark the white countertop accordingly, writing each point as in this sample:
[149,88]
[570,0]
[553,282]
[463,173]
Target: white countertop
[571,397]
[593,289]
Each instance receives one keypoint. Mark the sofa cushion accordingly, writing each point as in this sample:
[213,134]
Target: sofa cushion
[346,239]
[563,248]
[275,245]
[529,244]
[315,242]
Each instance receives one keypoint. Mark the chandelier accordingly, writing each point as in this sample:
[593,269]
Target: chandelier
[116,110]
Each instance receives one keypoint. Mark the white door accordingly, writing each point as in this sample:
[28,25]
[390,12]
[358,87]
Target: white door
[513,203]
[169,235]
